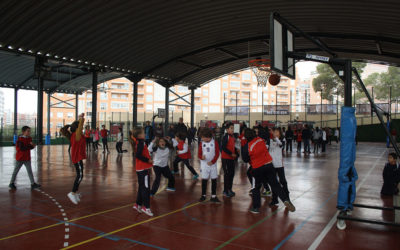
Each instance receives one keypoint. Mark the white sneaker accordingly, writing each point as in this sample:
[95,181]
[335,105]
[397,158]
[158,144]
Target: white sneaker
[147,211]
[72,197]
[78,197]
[137,208]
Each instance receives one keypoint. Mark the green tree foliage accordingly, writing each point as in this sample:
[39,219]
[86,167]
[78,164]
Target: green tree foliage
[330,83]
[382,83]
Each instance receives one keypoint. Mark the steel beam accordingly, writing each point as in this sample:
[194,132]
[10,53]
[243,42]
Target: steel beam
[166,119]
[40,111]
[15,111]
[76,106]
[192,107]
[94,99]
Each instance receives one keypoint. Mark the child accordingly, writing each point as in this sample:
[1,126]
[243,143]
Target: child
[275,151]
[143,164]
[96,138]
[104,133]
[120,141]
[208,154]
[74,133]
[182,154]
[298,139]
[391,176]
[24,146]
[229,155]
[87,137]
[160,149]
[256,153]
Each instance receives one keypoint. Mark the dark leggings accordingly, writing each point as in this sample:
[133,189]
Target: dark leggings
[119,147]
[166,172]
[282,180]
[262,174]
[79,176]
[213,187]
[105,145]
[143,193]
[187,164]
[250,177]
[229,173]
[87,144]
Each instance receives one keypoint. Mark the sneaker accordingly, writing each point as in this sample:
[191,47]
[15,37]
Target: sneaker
[290,206]
[72,197]
[174,172]
[137,208]
[170,189]
[34,186]
[349,212]
[78,197]
[226,194]
[147,211]
[12,186]
[255,210]
[195,177]
[215,200]
[202,198]
[231,193]
[273,203]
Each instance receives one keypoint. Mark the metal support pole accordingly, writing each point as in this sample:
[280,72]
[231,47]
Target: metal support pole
[262,104]
[354,96]
[305,106]
[15,112]
[134,108]
[76,106]
[94,99]
[236,106]
[48,113]
[321,108]
[337,109]
[192,107]
[276,108]
[40,111]
[290,106]
[249,107]
[224,107]
[373,99]
[347,83]
[390,101]
[166,120]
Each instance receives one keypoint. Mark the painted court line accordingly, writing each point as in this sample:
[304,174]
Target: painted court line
[304,222]
[60,223]
[330,224]
[256,224]
[130,226]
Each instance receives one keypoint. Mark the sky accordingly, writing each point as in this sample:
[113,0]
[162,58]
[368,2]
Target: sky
[27,99]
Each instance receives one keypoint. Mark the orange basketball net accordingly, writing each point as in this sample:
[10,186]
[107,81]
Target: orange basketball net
[262,69]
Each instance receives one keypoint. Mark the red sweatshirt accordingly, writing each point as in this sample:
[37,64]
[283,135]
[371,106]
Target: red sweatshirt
[142,156]
[183,150]
[24,148]
[258,153]
[228,147]
[78,148]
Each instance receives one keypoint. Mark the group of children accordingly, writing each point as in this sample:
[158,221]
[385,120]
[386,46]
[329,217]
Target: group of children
[92,136]
[264,157]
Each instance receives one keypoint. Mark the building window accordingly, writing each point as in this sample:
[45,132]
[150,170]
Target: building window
[149,98]
[205,109]
[114,96]
[103,96]
[59,125]
[60,105]
[89,95]
[89,104]
[103,106]
[124,97]
[119,105]
[197,108]
[235,84]
[60,94]
[149,88]
[59,115]
[225,85]
[88,114]
[149,107]
[182,89]
[205,92]
[70,115]
[246,76]
[205,100]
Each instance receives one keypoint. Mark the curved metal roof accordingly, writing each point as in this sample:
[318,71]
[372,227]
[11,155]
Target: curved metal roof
[192,42]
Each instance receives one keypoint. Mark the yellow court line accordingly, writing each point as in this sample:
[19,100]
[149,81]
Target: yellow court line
[130,226]
[58,224]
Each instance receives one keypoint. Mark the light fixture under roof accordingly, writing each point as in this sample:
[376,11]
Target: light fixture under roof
[48,54]
[64,58]
[10,47]
[79,61]
[20,49]
[56,56]
[39,53]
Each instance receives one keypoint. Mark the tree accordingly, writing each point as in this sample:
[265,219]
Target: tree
[382,83]
[330,83]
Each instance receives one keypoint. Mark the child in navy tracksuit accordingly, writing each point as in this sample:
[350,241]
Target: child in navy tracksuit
[24,146]
[160,149]
[391,176]
[183,154]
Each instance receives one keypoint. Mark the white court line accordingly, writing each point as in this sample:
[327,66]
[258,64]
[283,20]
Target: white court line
[328,227]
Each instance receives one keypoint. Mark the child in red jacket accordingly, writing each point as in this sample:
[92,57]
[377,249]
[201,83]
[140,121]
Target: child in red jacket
[74,134]
[24,146]
[229,156]
[182,154]
[143,164]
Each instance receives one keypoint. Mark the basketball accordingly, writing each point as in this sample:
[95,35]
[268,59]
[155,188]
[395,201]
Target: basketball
[274,79]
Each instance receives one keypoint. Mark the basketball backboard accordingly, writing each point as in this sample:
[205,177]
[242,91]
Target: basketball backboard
[161,113]
[281,42]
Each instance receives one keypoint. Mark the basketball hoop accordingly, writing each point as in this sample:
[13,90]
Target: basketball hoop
[262,69]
